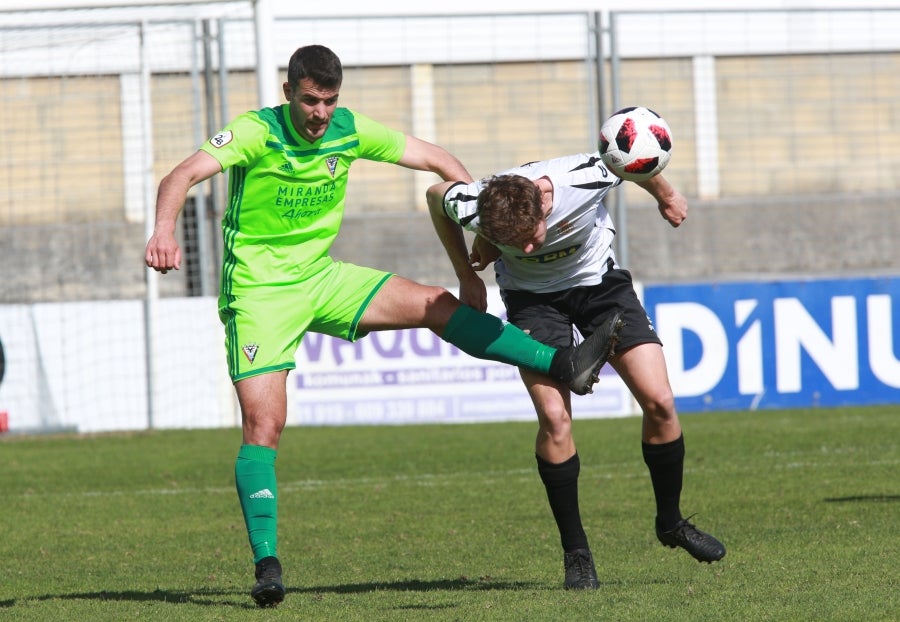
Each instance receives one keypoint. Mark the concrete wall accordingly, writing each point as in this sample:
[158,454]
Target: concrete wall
[721,240]
[808,154]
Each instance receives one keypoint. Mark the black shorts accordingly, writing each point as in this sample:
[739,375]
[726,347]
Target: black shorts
[549,318]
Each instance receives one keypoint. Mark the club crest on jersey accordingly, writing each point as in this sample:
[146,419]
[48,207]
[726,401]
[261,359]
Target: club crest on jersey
[332,164]
[564,227]
[250,351]
[221,139]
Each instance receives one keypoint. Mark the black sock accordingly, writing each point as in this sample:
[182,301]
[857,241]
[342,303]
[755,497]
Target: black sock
[666,464]
[561,482]
[560,368]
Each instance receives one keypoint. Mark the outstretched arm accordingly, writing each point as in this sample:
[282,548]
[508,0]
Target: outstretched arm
[472,290]
[163,252]
[425,156]
[671,203]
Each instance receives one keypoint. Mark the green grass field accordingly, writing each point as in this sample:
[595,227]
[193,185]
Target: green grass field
[451,523]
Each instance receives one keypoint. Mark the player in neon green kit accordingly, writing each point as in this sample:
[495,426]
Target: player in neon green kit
[289,168]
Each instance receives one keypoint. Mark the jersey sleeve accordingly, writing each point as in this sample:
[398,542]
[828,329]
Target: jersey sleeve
[240,143]
[377,141]
[461,204]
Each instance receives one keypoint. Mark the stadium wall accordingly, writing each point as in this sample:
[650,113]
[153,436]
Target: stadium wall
[786,135]
[787,146]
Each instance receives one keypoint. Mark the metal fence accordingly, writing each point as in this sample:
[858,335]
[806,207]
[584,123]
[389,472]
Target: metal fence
[787,132]
[786,125]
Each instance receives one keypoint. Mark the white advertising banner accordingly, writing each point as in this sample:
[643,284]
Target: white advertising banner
[413,376]
[83,367]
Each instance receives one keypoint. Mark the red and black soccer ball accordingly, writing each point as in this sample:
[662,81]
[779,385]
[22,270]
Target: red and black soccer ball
[635,143]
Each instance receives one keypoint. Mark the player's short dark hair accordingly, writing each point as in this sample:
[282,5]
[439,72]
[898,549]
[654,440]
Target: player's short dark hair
[318,63]
[509,209]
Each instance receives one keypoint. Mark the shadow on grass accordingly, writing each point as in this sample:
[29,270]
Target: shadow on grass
[862,498]
[200,597]
[219,598]
[414,585]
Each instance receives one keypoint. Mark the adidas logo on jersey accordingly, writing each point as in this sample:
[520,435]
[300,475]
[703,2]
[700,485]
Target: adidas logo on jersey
[265,493]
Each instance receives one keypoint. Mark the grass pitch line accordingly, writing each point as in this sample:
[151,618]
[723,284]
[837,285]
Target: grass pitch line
[607,472]
[615,472]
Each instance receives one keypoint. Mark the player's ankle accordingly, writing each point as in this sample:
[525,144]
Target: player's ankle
[561,365]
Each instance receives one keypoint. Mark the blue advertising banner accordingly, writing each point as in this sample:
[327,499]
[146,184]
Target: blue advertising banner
[784,344]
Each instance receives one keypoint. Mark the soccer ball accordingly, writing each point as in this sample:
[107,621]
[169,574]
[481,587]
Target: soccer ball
[635,143]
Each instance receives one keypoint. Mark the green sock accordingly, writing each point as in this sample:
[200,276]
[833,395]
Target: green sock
[486,336]
[254,477]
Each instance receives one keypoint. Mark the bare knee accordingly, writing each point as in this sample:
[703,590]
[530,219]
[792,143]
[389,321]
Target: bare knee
[264,433]
[660,420]
[440,305]
[659,406]
[427,295]
[555,432]
[263,401]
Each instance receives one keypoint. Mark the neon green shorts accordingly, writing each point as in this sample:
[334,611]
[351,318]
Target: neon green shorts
[263,328]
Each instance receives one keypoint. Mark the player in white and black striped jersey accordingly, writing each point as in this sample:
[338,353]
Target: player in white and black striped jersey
[545,228]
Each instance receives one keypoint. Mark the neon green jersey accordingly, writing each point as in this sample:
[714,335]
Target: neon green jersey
[286,195]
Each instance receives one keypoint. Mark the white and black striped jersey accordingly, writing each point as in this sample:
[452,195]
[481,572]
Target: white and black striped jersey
[579,229]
